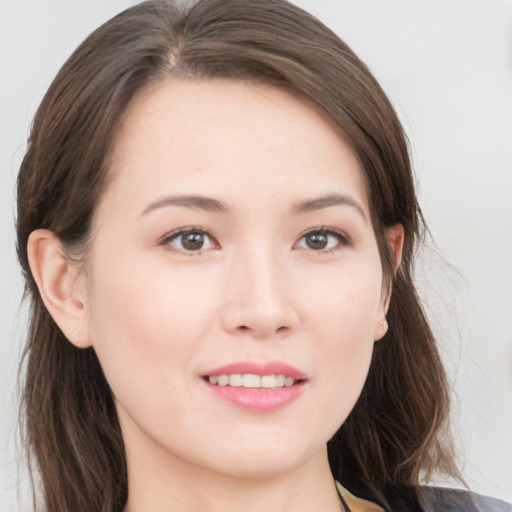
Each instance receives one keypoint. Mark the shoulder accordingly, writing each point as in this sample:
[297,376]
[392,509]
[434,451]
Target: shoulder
[437,499]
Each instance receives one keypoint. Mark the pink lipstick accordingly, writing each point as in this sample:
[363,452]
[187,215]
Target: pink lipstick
[256,387]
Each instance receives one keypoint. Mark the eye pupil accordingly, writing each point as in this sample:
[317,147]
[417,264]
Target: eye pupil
[193,241]
[317,240]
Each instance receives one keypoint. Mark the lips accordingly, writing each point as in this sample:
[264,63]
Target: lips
[256,387]
[268,368]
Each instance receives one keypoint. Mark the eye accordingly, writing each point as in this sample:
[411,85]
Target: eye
[190,240]
[322,240]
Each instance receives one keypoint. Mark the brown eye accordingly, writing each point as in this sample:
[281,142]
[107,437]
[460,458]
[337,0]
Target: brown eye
[316,240]
[190,240]
[322,240]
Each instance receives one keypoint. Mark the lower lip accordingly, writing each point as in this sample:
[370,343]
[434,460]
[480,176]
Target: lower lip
[257,399]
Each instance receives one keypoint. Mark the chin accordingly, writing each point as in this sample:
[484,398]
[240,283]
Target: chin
[258,469]
[264,462]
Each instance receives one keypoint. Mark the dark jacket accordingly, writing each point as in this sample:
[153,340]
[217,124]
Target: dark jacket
[437,499]
[434,499]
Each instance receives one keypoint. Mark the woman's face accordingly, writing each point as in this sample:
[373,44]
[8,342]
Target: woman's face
[233,246]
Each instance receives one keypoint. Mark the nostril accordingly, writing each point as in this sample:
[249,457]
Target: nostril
[282,329]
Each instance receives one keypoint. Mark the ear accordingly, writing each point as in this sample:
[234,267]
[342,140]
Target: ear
[395,239]
[60,285]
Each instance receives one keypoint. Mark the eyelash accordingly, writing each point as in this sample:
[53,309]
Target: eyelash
[343,239]
[167,239]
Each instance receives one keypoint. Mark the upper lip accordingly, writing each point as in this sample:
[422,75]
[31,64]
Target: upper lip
[253,368]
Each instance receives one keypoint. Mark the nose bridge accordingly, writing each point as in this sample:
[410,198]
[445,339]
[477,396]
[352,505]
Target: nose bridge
[259,300]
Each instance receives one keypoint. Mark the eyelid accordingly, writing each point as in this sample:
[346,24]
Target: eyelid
[343,239]
[168,237]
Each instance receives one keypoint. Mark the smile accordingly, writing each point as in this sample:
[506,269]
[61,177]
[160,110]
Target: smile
[248,380]
[258,387]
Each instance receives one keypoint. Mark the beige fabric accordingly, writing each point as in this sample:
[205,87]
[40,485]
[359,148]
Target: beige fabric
[357,504]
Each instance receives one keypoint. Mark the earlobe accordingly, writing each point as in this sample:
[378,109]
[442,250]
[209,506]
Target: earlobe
[381,329]
[57,278]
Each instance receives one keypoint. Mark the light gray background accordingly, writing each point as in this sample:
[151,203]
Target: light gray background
[446,65]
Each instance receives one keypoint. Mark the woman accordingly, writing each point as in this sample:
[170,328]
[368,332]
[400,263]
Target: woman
[217,220]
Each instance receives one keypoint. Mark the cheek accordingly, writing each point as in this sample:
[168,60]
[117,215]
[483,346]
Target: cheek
[140,301]
[342,321]
[345,334]
[347,301]
[146,325]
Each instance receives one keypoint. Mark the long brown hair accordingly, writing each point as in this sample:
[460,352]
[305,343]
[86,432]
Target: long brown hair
[396,435]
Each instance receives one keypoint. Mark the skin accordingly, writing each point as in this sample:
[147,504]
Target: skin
[160,316]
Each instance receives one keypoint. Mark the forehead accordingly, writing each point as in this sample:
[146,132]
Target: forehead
[225,137]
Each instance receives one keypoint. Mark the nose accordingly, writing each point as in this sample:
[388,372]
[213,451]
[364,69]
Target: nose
[259,298]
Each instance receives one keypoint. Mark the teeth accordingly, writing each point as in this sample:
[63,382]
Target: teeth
[223,380]
[289,381]
[268,381]
[249,380]
[235,381]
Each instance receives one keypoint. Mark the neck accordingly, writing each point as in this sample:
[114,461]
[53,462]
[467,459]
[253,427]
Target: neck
[183,487]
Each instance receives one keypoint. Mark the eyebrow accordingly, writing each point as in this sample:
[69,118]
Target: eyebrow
[210,204]
[189,201]
[326,201]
